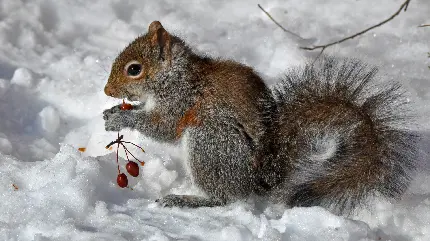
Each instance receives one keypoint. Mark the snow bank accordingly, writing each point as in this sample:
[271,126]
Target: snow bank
[55,57]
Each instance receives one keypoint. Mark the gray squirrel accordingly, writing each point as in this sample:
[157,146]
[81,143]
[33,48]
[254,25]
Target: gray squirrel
[322,137]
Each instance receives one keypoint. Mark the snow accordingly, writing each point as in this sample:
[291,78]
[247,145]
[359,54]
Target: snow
[49,120]
[55,58]
[23,77]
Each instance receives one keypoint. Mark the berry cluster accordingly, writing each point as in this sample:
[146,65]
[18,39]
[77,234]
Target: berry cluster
[131,167]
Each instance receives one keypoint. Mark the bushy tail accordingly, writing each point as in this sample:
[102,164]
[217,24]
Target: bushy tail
[343,138]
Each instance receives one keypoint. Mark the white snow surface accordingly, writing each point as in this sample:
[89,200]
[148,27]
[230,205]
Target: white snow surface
[55,57]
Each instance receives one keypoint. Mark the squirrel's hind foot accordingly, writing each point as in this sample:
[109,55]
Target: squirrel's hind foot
[189,201]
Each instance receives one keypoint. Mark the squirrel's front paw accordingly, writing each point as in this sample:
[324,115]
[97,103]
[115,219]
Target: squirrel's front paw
[109,112]
[117,119]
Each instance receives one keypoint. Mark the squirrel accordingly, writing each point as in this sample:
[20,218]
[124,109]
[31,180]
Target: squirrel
[323,136]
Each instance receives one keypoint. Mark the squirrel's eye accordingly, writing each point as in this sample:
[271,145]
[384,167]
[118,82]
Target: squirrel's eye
[133,69]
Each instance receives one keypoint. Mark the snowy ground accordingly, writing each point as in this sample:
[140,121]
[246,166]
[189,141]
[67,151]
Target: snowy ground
[55,57]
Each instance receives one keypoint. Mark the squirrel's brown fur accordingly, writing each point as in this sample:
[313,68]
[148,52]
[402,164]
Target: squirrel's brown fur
[323,137]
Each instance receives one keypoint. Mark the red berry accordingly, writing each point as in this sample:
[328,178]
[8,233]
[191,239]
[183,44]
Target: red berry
[126,106]
[132,168]
[122,180]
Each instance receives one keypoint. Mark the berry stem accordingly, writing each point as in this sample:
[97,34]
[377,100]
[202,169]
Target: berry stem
[125,148]
[117,148]
[133,145]
[118,140]
[128,159]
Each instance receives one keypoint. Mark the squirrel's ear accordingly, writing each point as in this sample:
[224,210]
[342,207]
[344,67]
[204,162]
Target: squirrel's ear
[154,26]
[161,38]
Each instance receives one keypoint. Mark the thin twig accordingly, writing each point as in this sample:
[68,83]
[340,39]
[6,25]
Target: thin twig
[279,25]
[404,7]
[319,55]
[424,25]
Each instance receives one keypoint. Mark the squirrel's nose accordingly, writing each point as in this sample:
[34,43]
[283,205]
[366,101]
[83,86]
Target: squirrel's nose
[108,91]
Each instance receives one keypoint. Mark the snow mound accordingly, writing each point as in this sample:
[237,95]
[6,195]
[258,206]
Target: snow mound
[55,58]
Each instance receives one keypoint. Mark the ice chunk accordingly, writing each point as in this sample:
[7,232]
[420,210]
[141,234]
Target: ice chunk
[49,119]
[22,77]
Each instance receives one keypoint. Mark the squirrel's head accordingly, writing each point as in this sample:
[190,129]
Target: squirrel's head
[142,61]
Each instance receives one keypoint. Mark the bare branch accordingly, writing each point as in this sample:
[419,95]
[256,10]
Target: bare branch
[404,7]
[424,25]
[279,25]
